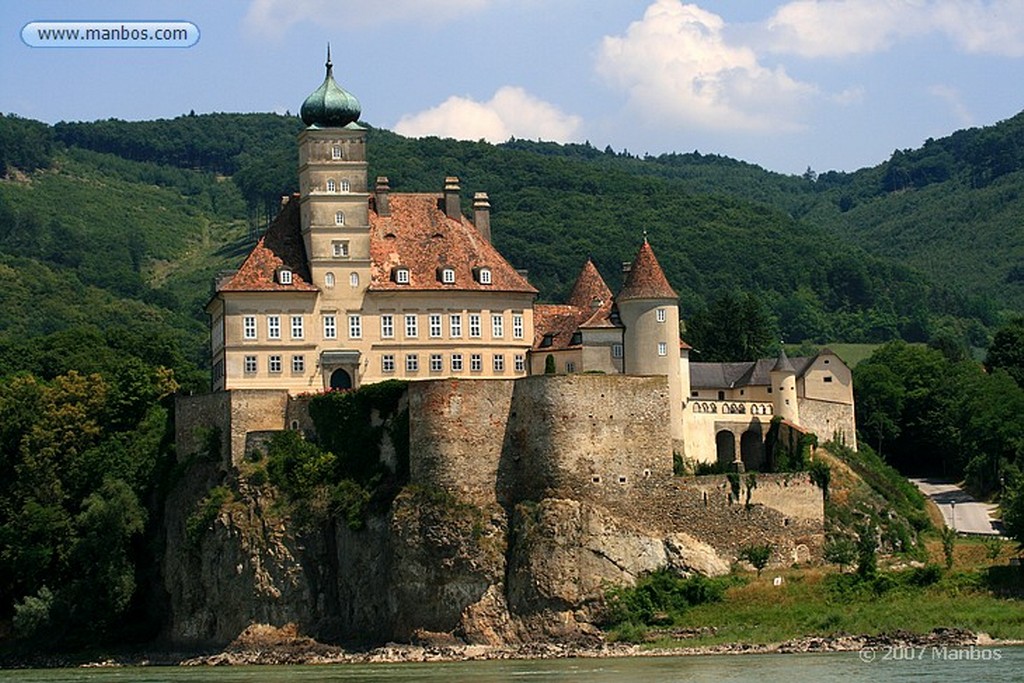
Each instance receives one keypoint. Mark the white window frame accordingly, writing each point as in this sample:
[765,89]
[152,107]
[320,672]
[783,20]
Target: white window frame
[346,186]
[412,362]
[498,362]
[455,325]
[329,280]
[412,326]
[402,276]
[662,315]
[298,364]
[387,363]
[517,326]
[520,362]
[330,326]
[484,275]
[448,276]
[336,152]
[248,327]
[434,325]
[332,185]
[273,327]
[387,326]
[617,351]
[497,325]
[297,327]
[284,276]
[339,248]
[436,362]
[353,280]
[456,362]
[474,326]
[355,326]
[662,348]
[250,365]
[274,364]
[339,218]
[476,362]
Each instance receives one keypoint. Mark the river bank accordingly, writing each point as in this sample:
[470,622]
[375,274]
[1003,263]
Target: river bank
[264,646]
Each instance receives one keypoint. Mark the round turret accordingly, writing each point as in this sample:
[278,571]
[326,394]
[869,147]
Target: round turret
[783,379]
[330,105]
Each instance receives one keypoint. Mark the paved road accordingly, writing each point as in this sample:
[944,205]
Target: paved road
[959,509]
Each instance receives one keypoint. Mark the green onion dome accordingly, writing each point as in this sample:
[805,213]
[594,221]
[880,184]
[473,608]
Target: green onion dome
[330,105]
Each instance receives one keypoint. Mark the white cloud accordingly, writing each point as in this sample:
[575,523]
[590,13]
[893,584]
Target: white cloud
[677,66]
[835,28]
[951,96]
[853,95]
[271,18]
[512,112]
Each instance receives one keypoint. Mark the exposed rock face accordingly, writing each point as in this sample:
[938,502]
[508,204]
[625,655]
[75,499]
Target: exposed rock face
[431,569]
[241,570]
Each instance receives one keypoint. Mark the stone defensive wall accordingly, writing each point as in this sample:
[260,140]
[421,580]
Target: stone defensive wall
[235,413]
[786,511]
[830,420]
[590,436]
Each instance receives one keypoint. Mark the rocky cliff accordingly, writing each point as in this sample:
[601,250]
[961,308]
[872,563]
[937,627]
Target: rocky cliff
[494,513]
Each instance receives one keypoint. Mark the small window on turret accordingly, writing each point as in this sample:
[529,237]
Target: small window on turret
[336,152]
[339,218]
[332,186]
[345,185]
[661,315]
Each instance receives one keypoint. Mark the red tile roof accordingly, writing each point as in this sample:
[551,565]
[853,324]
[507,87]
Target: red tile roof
[560,321]
[419,236]
[282,245]
[646,279]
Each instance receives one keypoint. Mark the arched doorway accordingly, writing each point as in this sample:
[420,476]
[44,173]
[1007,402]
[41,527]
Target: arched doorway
[725,446]
[340,379]
[752,450]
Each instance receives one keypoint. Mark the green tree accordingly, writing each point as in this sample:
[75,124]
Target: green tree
[757,555]
[1012,508]
[735,327]
[1007,350]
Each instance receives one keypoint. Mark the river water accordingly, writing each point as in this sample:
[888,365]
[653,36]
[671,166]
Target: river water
[932,665]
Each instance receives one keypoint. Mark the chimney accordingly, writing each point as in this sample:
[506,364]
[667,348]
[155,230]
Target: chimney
[626,267]
[482,214]
[452,204]
[381,194]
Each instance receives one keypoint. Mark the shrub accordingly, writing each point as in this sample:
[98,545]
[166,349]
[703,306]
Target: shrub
[660,597]
[757,555]
[841,551]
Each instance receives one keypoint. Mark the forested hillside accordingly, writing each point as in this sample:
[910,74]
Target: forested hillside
[111,232]
[115,225]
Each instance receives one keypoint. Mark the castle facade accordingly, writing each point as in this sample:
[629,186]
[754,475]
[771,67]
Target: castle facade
[352,285]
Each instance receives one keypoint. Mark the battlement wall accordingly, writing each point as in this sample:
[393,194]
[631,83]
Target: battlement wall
[587,436]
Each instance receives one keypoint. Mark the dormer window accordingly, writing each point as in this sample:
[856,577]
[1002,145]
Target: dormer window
[401,275]
[483,275]
[336,152]
[332,186]
[547,341]
[339,218]
[576,339]
[447,276]
[284,276]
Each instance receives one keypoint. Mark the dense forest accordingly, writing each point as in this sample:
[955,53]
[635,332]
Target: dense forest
[111,232]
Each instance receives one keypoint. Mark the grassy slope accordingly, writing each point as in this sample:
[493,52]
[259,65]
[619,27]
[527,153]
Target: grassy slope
[804,605]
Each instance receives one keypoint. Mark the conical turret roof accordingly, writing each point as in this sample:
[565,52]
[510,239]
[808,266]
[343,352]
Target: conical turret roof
[783,363]
[330,105]
[589,286]
[646,279]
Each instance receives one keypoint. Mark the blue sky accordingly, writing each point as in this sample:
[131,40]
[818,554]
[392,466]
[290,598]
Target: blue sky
[830,84]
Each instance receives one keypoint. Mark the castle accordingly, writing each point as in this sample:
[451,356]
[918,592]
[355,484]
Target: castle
[352,285]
